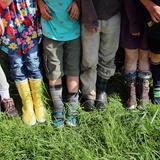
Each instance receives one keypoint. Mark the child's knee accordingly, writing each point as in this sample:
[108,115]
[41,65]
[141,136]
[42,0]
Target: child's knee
[155,57]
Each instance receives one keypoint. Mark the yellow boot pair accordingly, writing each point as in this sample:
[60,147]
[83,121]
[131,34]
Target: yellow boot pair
[33,108]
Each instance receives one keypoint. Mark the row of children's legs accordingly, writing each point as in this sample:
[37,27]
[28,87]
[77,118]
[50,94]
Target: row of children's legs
[139,68]
[63,58]
[137,75]
[65,111]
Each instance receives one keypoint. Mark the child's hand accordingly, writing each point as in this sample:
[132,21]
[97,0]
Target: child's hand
[92,29]
[1,28]
[45,11]
[153,9]
[155,13]
[5,3]
[73,11]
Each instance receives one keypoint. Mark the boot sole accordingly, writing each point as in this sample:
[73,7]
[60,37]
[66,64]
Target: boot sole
[41,121]
[132,107]
[30,124]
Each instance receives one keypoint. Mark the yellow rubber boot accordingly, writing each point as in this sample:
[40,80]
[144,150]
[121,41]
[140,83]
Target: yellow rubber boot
[36,90]
[27,109]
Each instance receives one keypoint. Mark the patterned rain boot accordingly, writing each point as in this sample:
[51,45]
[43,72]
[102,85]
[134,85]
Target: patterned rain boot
[131,90]
[155,69]
[156,95]
[143,88]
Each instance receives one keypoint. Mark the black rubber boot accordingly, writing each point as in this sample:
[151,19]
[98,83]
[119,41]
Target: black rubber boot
[101,96]
[87,103]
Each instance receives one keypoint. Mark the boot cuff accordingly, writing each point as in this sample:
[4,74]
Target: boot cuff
[145,75]
[130,76]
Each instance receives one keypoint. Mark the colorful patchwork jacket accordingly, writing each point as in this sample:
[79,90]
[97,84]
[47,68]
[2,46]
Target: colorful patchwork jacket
[22,29]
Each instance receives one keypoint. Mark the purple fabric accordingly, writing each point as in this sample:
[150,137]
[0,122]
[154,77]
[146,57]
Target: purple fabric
[133,21]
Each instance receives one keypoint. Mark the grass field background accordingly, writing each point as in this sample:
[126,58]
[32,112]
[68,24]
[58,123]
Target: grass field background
[115,134]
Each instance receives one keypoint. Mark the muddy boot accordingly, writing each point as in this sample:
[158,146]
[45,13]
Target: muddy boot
[131,101]
[143,88]
[101,96]
[58,106]
[155,68]
[72,106]
[156,95]
[87,102]
[8,107]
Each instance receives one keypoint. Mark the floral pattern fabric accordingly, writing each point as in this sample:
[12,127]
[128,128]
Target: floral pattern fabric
[22,27]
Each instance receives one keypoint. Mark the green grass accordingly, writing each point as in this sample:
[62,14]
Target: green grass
[115,134]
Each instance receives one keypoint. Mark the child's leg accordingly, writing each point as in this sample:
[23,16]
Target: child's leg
[19,76]
[4,86]
[143,61]
[53,59]
[131,58]
[154,47]
[90,45]
[73,84]
[55,87]
[7,103]
[155,69]
[72,71]
[144,75]
[72,98]
[109,41]
[32,61]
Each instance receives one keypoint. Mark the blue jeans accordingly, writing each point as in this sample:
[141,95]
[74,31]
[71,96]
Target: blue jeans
[26,65]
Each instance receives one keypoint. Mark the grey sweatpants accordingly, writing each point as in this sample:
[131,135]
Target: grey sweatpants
[99,51]
[4,86]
